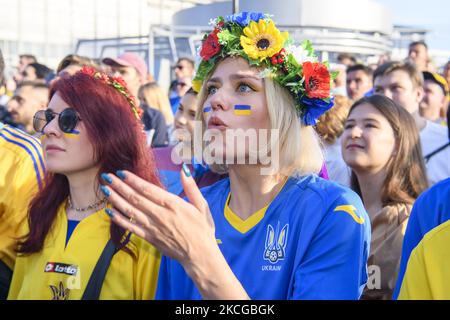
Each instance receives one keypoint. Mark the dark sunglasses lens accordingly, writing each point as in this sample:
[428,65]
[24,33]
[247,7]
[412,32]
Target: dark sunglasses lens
[39,121]
[49,115]
[68,120]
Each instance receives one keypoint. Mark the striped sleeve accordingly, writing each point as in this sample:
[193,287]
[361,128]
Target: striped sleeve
[27,149]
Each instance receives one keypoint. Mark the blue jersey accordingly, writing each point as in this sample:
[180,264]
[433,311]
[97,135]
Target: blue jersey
[430,210]
[169,172]
[311,243]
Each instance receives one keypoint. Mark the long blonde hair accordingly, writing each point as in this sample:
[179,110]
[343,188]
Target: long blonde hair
[300,150]
[156,98]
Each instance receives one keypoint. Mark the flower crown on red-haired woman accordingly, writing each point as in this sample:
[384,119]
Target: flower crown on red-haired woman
[117,83]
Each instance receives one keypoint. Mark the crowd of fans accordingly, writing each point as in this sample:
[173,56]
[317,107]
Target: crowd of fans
[398,111]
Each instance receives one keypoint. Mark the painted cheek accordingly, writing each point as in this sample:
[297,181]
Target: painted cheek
[242,110]
[206,111]
[72,134]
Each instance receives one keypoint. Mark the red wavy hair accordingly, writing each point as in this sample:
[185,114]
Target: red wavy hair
[119,143]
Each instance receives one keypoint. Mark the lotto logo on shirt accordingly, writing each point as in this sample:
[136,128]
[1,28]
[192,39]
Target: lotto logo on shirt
[58,267]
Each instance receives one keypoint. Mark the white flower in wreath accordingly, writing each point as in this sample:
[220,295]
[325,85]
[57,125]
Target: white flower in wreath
[300,54]
[212,22]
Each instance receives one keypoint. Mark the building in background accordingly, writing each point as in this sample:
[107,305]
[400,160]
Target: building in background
[51,29]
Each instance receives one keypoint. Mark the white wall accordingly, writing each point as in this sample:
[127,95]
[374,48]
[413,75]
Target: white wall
[50,29]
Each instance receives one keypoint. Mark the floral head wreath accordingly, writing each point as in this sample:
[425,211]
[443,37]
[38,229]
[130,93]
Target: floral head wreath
[254,37]
[117,83]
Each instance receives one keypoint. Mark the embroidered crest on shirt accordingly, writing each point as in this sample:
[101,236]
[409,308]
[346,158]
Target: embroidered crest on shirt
[59,292]
[276,243]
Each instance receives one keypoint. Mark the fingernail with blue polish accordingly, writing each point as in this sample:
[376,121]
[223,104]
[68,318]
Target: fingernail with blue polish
[186,170]
[105,191]
[120,174]
[106,178]
[109,212]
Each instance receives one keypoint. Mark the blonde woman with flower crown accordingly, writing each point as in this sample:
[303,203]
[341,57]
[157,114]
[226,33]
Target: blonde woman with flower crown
[284,235]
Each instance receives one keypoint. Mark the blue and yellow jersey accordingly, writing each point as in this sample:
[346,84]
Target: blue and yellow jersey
[61,272]
[428,273]
[430,210]
[21,174]
[311,242]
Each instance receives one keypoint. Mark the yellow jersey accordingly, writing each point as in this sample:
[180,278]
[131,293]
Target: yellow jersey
[21,172]
[427,274]
[61,272]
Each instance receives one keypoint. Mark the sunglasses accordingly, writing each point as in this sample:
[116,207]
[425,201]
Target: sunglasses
[67,120]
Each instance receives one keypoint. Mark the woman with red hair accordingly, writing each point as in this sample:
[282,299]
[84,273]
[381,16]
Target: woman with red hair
[72,250]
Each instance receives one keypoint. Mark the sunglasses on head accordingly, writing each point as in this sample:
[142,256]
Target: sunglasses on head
[67,120]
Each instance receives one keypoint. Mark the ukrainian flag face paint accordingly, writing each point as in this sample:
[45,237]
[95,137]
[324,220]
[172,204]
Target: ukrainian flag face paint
[242,110]
[206,111]
[72,134]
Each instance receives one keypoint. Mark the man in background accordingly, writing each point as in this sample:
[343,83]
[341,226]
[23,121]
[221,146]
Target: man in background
[418,54]
[403,83]
[28,98]
[24,61]
[133,69]
[184,73]
[359,81]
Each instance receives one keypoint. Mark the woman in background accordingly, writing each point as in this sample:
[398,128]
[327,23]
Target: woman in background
[381,145]
[151,95]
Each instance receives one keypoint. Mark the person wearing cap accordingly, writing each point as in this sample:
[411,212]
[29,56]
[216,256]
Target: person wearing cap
[133,69]
[436,98]
[446,72]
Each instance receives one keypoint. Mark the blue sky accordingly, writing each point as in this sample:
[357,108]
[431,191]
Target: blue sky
[433,15]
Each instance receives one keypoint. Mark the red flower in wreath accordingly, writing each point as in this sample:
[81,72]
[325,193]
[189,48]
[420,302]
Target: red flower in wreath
[317,80]
[210,46]
[120,81]
[90,71]
[103,76]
